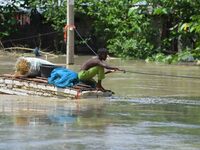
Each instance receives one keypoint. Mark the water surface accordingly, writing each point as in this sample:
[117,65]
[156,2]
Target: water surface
[146,112]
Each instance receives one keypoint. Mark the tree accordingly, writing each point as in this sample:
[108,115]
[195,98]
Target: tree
[134,28]
[7,19]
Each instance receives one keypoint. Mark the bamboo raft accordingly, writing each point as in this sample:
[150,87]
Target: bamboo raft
[39,87]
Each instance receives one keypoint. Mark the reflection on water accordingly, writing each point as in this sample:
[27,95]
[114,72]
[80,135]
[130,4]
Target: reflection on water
[35,123]
[147,112]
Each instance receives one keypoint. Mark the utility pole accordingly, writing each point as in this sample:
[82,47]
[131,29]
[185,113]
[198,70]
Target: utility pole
[70,33]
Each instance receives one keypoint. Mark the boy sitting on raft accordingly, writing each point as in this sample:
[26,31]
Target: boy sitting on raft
[95,66]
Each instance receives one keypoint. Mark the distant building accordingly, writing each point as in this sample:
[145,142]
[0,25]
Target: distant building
[22,14]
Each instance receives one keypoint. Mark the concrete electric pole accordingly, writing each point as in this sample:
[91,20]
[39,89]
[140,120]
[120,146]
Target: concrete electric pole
[70,33]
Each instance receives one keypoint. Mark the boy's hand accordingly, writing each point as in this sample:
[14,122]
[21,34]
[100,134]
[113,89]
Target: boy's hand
[110,71]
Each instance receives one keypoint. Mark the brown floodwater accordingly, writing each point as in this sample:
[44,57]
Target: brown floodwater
[146,112]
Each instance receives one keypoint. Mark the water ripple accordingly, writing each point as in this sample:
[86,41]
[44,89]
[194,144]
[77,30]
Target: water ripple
[158,100]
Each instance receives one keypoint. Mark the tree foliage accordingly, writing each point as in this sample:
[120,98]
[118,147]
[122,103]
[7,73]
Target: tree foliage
[134,28]
[7,20]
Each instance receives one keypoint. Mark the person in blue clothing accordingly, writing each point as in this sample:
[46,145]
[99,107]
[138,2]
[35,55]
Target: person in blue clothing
[95,67]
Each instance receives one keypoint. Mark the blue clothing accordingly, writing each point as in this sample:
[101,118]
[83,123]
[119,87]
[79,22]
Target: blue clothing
[62,77]
[63,118]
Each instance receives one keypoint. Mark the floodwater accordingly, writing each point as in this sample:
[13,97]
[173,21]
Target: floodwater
[147,112]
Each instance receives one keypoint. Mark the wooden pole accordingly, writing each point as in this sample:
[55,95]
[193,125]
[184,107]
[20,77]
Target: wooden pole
[70,33]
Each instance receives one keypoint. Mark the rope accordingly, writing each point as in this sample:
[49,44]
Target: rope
[30,37]
[85,41]
[168,75]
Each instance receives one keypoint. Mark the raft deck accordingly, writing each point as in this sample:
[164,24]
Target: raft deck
[39,87]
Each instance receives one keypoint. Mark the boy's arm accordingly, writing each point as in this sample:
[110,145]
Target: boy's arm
[105,65]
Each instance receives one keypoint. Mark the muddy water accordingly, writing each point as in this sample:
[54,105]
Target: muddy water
[146,112]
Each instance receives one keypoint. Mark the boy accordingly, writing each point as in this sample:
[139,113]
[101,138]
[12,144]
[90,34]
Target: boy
[95,66]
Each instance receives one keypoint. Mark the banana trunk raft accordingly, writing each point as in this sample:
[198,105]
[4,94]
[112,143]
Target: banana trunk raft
[39,87]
